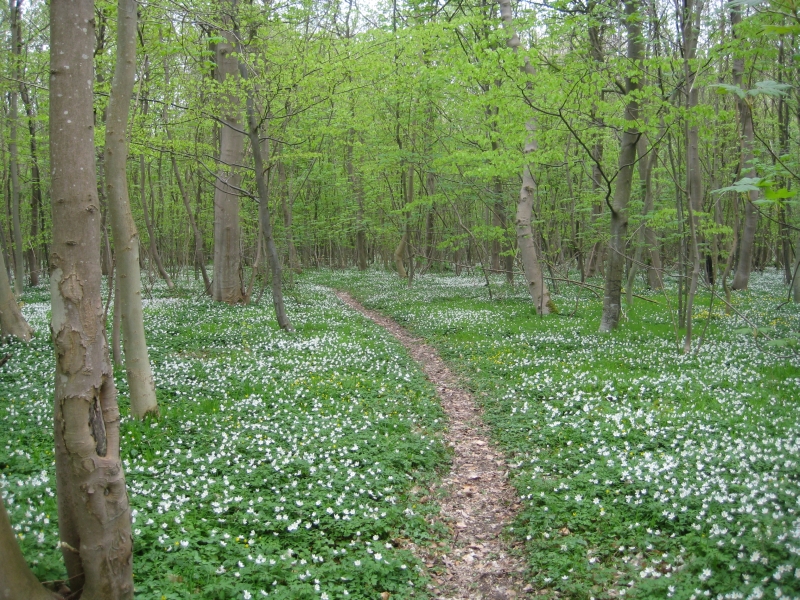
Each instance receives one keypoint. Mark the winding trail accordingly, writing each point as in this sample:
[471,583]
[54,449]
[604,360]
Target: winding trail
[476,499]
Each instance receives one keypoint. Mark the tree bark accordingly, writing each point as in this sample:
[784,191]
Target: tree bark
[126,236]
[531,264]
[227,283]
[11,320]
[36,190]
[19,267]
[263,210]
[612,308]
[746,243]
[93,511]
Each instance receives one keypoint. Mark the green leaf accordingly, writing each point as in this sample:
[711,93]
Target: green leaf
[779,194]
[744,330]
[782,29]
[769,88]
[724,88]
[746,184]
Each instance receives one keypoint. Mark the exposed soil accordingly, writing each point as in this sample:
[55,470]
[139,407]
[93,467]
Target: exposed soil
[476,499]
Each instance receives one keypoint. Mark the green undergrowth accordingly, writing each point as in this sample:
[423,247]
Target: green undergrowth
[282,465]
[644,472]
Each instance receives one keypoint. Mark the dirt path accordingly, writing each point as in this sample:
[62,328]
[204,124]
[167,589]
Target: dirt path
[477,502]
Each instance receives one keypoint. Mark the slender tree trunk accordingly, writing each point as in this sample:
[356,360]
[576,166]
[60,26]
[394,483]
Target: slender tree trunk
[199,255]
[263,210]
[747,242]
[646,163]
[227,283]
[155,255]
[93,511]
[36,190]
[16,579]
[116,326]
[11,320]
[694,177]
[612,308]
[531,264]
[19,267]
[126,236]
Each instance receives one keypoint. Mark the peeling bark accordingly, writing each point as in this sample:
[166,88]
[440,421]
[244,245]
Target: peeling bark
[93,511]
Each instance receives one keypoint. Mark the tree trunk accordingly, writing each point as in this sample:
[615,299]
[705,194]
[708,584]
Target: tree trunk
[694,175]
[227,283]
[531,265]
[126,236]
[399,255]
[199,256]
[747,242]
[11,320]
[19,267]
[612,308]
[93,511]
[36,190]
[155,255]
[263,211]
[16,579]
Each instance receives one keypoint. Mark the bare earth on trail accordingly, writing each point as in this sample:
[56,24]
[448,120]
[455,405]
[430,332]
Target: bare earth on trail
[477,502]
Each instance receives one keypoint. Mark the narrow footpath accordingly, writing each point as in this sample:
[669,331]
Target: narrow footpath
[476,499]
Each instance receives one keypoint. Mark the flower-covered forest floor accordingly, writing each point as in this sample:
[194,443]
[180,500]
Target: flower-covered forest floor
[643,472]
[282,466]
[300,466]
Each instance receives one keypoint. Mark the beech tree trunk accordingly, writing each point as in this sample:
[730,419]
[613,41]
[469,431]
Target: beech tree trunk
[19,267]
[126,236]
[36,190]
[746,243]
[263,212]
[93,511]
[694,175]
[612,308]
[531,264]
[227,283]
[11,320]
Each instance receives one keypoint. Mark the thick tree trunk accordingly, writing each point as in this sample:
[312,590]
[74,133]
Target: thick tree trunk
[19,266]
[612,308]
[17,582]
[531,265]
[227,283]
[400,254]
[747,242]
[11,320]
[126,236]
[93,511]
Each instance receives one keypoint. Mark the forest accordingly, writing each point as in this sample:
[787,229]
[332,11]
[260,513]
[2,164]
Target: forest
[400,299]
